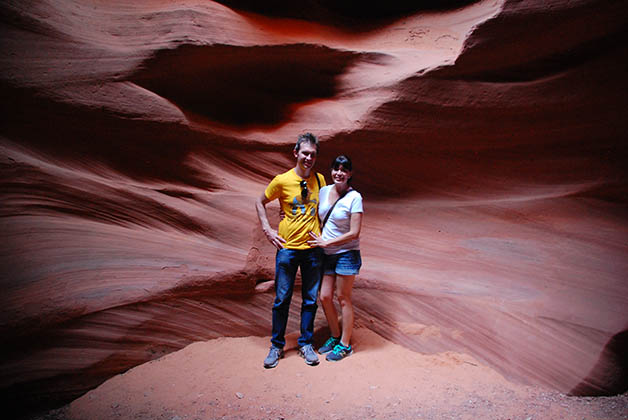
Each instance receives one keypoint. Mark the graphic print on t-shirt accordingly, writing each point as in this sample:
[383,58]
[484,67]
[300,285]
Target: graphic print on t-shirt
[301,207]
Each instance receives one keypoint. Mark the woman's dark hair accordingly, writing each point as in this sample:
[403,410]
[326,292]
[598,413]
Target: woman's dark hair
[343,161]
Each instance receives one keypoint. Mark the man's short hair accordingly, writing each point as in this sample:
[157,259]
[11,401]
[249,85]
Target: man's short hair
[306,138]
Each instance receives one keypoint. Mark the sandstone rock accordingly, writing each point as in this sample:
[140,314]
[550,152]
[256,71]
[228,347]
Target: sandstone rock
[488,141]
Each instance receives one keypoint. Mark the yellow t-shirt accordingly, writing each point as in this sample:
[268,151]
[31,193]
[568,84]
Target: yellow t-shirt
[300,215]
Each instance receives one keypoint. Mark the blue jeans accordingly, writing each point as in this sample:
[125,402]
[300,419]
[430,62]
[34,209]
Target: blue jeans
[287,262]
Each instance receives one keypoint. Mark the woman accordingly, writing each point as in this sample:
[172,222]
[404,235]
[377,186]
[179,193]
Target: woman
[340,210]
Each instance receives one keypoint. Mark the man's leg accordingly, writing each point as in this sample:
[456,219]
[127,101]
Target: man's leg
[286,264]
[311,273]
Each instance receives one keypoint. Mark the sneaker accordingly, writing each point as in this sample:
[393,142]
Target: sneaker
[329,345]
[273,357]
[307,352]
[339,352]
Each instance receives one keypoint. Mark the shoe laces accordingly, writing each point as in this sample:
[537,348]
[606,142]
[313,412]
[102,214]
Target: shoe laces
[307,349]
[330,341]
[339,348]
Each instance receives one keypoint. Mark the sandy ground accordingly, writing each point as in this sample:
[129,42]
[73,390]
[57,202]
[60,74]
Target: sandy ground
[224,379]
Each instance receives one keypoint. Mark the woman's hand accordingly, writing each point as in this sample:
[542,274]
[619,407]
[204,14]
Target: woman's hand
[317,241]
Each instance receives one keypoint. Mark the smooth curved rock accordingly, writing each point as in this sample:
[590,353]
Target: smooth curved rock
[489,145]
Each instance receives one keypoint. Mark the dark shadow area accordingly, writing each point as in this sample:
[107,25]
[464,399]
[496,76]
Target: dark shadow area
[28,190]
[609,376]
[558,62]
[168,323]
[526,43]
[465,166]
[360,15]
[140,149]
[244,86]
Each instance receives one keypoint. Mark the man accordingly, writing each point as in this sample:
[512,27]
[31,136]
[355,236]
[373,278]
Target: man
[297,192]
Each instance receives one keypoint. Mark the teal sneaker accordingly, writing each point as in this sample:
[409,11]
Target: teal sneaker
[329,345]
[339,352]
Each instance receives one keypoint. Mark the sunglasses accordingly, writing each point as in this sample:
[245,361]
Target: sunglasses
[304,191]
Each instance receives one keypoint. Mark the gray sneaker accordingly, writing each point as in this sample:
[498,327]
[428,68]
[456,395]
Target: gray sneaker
[273,357]
[307,352]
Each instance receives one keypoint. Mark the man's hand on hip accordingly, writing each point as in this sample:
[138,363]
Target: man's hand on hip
[274,238]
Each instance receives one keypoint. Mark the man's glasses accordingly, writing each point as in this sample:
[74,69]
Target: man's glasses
[304,191]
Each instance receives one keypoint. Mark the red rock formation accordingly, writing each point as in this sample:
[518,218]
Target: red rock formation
[489,146]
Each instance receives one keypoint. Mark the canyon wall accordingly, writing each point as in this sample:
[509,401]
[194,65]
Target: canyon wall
[488,140]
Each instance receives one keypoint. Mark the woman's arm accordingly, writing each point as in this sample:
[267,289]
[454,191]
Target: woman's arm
[354,233]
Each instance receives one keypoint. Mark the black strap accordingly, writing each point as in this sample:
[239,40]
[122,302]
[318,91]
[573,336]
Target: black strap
[331,209]
[318,181]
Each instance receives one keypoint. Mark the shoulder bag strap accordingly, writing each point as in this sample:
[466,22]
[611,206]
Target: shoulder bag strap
[318,181]
[331,209]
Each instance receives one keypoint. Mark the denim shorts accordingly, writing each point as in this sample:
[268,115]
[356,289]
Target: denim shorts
[346,263]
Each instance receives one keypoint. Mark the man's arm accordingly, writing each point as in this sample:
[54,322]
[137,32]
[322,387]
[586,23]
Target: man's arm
[271,234]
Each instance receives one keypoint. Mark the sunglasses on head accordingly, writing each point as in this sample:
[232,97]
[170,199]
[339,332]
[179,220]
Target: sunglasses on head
[304,191]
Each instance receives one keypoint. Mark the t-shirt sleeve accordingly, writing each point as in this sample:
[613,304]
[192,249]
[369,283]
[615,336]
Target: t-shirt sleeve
[356,203]
[273,191]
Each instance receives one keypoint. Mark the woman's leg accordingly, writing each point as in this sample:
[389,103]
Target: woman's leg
[327,301]
[345,287]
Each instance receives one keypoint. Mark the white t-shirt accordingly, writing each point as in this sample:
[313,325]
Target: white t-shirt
[339,222]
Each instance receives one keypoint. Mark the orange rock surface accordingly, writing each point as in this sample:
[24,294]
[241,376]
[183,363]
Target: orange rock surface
[488,137]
